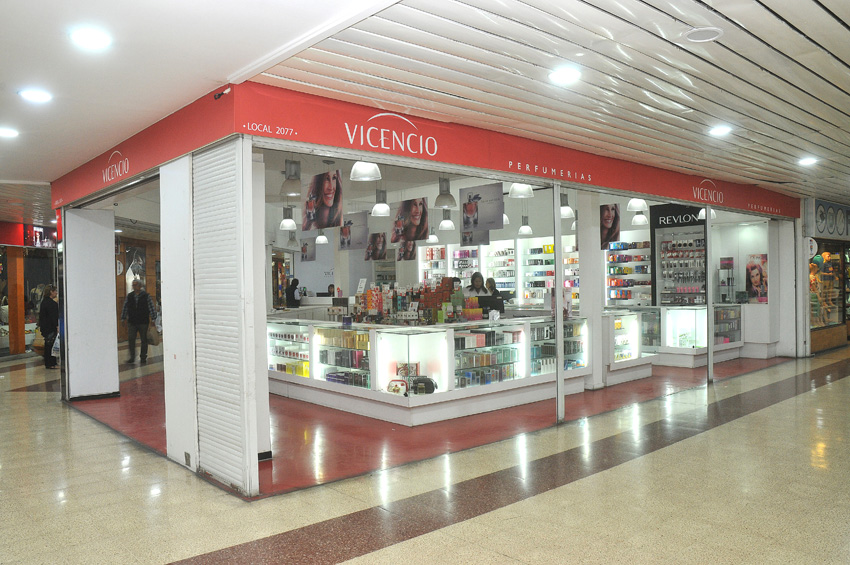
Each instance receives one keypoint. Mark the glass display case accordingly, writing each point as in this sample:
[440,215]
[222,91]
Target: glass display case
[727,324]
[341,355]
[685,327]
[650,329]
[412,360]
[288,348]
[487,353]
[826,285]
[433,264]
[572,274]
[575,343]
[625,331]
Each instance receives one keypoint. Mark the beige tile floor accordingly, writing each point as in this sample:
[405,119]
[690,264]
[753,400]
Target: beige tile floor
[771,487]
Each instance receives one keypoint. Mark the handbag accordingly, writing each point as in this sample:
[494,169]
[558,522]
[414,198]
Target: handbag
[153,336]
[397,386]
[423,385]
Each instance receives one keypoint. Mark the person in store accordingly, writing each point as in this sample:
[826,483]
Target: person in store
[325,198]
[491,286]
[412,218]
[331,290]
[756,282]
[137,314]
[609,223]
[293,294]
[456,283]
[476,286]
[827,280]
[48,324]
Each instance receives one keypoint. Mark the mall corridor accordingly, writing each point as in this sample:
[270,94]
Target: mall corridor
[752,469]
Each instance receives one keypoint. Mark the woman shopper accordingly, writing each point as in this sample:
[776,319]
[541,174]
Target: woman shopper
[48,324]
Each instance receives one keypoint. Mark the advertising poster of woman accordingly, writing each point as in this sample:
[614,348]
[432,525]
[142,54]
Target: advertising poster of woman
[756,278]
[410,222]
[483,208]
[322,202]
[609,223]
[376,248]
[135,267]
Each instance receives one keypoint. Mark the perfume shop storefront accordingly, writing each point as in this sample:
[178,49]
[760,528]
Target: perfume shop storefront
[650,271]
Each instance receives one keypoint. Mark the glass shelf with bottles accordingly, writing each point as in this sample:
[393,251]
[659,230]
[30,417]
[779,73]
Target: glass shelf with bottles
[501,265]
[464,263]
[575,343]
[341,355]
[681,266]
[289,348]
[727,324]
[486,353]
[628,270]
[434,264]
[626,345]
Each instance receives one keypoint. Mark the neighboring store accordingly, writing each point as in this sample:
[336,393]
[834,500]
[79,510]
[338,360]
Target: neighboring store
[656,266]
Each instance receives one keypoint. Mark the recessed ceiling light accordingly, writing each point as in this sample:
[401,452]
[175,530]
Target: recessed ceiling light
[8,132]
[703,34]
[36,95]
[91,38]
[565,76]
[52,221]
[119,231]
[808,161]
[719,131]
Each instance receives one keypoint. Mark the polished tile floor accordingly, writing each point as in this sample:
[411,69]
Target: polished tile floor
[751,469]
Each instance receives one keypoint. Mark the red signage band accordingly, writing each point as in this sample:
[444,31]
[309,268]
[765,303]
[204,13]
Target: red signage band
[268,111]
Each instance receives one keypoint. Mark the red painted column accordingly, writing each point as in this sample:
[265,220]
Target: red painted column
[17,299]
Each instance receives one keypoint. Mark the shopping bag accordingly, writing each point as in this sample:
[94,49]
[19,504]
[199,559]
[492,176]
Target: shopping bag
[153,336]
[56,351]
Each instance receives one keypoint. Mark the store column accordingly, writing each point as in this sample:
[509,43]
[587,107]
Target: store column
[17,299]
[592,283]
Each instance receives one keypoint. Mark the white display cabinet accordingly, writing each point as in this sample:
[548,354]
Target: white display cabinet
[433,264]
[463,262]
[417,375]
[626,360]
[536,266]
[501,264]
[684,332]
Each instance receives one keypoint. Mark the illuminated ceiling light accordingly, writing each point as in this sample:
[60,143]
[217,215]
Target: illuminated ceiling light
[432,237]
[381,209]
[447,224]
[565,76]
[525,229]
[52,221]
[321,239]
[719,131]
[287,224]
[445,200]
[566,209]
[520,190]
[637,205]
[91,39]
[8,132]
[292,184]
[36,95]
[701,215]
[640,219]
[505,220]
[119,231]
[703,34]
[808,161]
[365,171]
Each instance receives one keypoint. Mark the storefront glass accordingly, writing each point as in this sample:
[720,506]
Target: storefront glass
[826,285]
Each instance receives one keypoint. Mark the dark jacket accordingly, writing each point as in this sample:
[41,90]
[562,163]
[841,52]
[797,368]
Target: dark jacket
[291,300]
[48,316]
[138,310]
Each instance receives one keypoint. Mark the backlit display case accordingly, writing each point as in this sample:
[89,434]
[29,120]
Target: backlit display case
[685,327]
[341,355]
[412,360]
[575,343]
[626,337]
[727,325]
[628,273]
[488,353]
[289,348]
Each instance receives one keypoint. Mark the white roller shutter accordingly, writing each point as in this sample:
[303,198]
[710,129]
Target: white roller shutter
[219,346]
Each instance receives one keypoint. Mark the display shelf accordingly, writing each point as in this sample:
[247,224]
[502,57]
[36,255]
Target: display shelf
[289,348]
[536,269]
[681,266]
[628,270]
[341,355]
[486,353]
[575,343]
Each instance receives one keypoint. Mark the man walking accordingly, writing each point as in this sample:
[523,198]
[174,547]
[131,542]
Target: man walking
[137,313]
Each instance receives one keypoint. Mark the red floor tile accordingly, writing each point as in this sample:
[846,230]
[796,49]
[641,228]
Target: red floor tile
[314,445]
